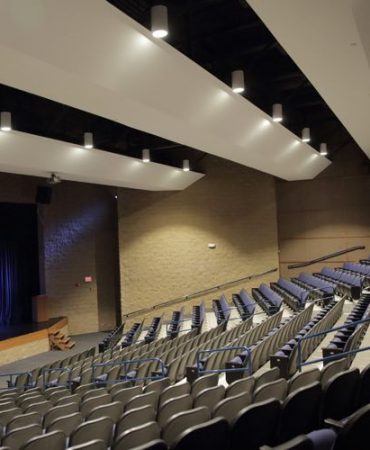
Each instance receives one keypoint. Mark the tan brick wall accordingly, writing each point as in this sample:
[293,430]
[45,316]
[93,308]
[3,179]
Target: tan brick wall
[79,229]
[327,214]
[163,236]
[24,351]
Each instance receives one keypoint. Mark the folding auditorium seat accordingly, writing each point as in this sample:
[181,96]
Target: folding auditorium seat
[298,443]
[39,407]
[331,369]
[274,390]
[26,402]
[126,394]
[204,382]
[24,420]
[303,379]
[54,440]
[157,385]
[178,423]
[93,393]
[67,423]
[174,391]
[355,431]
[117,387]
[60,411]
[16,438]
[150,398]
[88,405]
[211,435]
[209,397]
[364,394]
[322,439]
[137,436]
[174,406]
[113,410]
[7,415]
[267,377]
[340,395]
[135,418]
[56,395]
[231,406]
[244,385]
[74,398]
[300,412]
[93,429]
[251,428]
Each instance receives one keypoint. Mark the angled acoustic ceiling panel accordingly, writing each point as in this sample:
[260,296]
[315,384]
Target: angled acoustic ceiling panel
[28,154]
[89,55]
[330,41]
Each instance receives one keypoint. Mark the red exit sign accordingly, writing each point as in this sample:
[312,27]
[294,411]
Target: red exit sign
[88,279]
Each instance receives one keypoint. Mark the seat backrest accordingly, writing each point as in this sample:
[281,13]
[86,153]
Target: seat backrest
[15,439]
[228,408]
[67,423]
[303,379]
[332,369]
[93,429]
[209,397]
[340,395]
[39,407]
[268,376]
[204,382]
[92,402]
[244,385]
[150,398]
[137,436]
[54,440]
[157,385]
[174,406]
[59,411]
[75,398]
[275,389]
[9,414]
[355,433]
[134,418]
[183,420]
[213,434]
[126,394]
[297,443]
[174,391]
[93,393]
[249,428]
[24,420]
[156,444]
[113,410]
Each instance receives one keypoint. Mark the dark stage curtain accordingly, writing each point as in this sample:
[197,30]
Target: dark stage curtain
[8,281]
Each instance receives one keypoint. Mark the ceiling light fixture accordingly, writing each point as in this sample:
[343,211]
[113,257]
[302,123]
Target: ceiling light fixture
[277,112]
[237,81]
[5,121]
[323,149]
[88,140]
[146,155]
[185,165]
[306,135]
[159,21]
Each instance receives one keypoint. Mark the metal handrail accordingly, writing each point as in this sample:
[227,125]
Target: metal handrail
[247,366]
[57,369]
[318,289]
[16,374]
[324,258]
[199,293]
[300,364]
[126,363]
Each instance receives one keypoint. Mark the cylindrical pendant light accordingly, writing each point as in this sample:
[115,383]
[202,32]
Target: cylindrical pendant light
[323,149]
[146,155]
[159,21]
[277,112]
[5,121]
[306,135]
[185,165]
[88,140]
[237,81]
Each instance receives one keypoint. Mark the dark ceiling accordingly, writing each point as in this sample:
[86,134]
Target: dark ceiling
[219,35]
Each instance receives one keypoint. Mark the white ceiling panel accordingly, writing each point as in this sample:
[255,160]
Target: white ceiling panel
[28,154]
[330,41]
[89,55]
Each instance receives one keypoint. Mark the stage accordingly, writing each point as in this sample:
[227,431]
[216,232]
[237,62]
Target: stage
[22,341]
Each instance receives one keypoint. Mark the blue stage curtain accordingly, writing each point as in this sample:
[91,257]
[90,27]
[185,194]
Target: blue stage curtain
[8,280]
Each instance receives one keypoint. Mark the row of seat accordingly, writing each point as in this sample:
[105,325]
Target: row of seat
[198,315]
[132,335]
[346,284]
[294,296]
[221,309]
[111,339]
[267,299]
[349,338]
[318,288]
[245,305]
[259,353]
[175,324]
[286,358]
[154,329]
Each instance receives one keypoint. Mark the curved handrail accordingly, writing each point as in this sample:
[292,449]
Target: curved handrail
[198,293]
[324,258]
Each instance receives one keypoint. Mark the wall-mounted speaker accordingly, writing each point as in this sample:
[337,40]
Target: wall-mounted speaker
[43,195]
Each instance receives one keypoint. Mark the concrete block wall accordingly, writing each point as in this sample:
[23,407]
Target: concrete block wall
[164,236]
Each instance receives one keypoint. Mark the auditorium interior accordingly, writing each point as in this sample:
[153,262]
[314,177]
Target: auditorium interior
[184,224]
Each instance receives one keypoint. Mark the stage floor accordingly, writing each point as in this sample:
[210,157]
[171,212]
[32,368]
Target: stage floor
[11,331]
